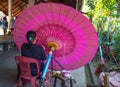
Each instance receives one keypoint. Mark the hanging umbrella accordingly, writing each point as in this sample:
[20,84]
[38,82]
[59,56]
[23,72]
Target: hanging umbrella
[69,30]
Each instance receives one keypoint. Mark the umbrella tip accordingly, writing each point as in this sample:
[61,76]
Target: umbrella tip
[53,46]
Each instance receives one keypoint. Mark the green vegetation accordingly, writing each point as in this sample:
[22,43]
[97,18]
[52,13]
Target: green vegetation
[105,15]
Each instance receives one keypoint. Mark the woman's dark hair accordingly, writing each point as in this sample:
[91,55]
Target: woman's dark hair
[31,35]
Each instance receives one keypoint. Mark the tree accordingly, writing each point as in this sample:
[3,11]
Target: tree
[105,17]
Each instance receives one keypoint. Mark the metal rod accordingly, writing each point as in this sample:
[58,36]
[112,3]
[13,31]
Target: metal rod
[58,63]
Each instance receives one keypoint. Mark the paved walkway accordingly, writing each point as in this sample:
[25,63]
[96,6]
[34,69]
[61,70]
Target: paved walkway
[8,71]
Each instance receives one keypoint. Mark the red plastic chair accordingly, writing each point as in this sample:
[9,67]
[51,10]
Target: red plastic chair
[25,72]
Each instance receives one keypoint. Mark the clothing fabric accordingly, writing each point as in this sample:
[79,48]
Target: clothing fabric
[4,26]
[34,51]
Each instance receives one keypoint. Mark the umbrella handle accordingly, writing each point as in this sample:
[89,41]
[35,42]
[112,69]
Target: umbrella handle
[46,66]
[47,63]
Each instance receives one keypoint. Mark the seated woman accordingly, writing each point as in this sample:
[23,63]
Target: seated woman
[30,49]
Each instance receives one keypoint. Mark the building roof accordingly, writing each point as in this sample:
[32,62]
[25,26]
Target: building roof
[19,5]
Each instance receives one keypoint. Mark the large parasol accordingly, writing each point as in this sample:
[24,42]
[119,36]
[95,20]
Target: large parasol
[72,34]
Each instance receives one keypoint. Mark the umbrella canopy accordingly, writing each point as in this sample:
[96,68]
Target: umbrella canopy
[69,30]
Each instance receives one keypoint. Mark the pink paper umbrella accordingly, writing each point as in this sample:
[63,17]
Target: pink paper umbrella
[73,34]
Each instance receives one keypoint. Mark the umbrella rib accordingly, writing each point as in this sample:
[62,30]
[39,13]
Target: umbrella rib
[52,12]
[72,19]
[59,15]
[66,16]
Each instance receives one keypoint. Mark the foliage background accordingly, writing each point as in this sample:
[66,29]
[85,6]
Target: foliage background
[105,15]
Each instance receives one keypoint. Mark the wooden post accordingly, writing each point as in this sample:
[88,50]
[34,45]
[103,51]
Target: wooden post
[9,12]
[106,80]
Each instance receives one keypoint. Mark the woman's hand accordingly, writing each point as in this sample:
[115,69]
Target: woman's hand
[43,47]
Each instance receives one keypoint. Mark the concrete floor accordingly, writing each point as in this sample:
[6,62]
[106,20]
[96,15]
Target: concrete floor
[8,71]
